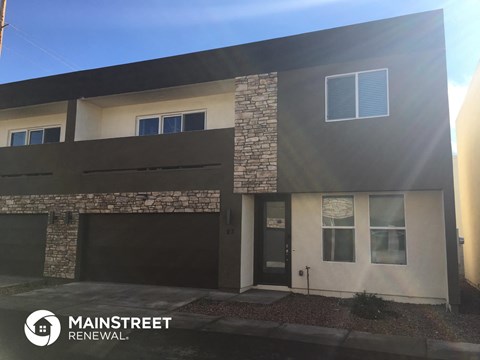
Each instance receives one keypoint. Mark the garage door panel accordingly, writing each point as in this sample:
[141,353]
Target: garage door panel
[22,244]
[164,249]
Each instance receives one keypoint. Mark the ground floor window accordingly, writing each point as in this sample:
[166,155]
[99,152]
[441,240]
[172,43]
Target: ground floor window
[387,229]
[338,224]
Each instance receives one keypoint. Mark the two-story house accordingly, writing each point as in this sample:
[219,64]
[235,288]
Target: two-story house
[241,166]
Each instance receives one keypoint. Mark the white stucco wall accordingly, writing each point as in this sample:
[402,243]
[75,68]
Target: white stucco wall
[120,121]
[88,124]
[422,280]
[6,126]
[248,209]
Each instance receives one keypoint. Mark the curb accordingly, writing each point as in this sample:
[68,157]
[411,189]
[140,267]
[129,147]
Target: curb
[388,346]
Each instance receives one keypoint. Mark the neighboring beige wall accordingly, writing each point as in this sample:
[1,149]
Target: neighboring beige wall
[422,280]
[458,216]
[120,121]
[458,208]
[6,126]
[88,122]
[247,256]
[468,140]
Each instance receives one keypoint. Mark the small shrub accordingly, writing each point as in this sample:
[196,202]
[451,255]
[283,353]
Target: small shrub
[368,306]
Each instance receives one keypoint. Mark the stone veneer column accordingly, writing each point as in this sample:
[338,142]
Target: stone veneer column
[255,159]
[61,242]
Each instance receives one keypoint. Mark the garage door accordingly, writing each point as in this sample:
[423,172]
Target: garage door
[163,249]
[22,244]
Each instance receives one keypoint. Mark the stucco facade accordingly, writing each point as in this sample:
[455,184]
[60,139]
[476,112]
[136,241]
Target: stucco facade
[421,280]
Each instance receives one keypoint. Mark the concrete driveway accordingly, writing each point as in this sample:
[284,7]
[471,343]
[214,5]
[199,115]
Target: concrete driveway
[96,299]
[92,298]
[8,281]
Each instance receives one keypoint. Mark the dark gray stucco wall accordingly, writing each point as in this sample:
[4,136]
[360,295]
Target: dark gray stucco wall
[407,150]
[186,161]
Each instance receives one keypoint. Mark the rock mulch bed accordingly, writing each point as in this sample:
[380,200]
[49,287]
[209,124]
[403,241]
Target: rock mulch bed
[427,321]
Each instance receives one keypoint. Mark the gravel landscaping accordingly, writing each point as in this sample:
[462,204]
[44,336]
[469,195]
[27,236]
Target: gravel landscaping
[427,321]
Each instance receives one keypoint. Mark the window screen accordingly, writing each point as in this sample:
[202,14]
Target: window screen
[341,97]
[358,95]
[51,135]
[18,138]
[194,121]
[372,93]
[172,124]
[148,126]
[36,137]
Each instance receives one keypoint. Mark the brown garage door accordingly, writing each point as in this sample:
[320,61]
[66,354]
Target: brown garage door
[22,244]
[163,249]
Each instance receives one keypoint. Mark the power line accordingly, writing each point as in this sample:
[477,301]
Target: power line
[22,34]
[27,58]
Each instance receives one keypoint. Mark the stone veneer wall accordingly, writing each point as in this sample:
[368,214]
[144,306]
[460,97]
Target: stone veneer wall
[255,161]
[61,246]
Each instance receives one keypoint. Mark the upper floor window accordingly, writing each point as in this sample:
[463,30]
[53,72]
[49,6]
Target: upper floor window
[387,229]
[35,136]
[357,95]
[148,126]
[171,123]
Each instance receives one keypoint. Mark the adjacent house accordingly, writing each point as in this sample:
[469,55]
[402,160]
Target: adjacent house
[468,138]
[239,167]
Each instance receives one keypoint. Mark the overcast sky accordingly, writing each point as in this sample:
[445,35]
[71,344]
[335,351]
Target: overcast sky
[57,36]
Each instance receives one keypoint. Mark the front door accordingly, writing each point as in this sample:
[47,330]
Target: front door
[272,240]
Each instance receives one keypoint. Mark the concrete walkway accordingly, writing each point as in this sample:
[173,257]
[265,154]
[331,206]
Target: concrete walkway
[104,299]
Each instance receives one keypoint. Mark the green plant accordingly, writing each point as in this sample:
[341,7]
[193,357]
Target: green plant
[368,306]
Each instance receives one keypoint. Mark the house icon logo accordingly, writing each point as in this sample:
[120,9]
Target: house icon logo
[42,328]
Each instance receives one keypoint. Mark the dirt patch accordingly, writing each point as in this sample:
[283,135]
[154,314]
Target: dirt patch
[429,321]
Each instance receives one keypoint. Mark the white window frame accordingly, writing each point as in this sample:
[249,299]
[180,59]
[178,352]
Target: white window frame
[163,115]
[11,132]
[29,130]
[404,228]
[172,115]
[144,117]
[340,227]
[356,95]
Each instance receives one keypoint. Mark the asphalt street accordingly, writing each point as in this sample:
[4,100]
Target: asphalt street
[169,344]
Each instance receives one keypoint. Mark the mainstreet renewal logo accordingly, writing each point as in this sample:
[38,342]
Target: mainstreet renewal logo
[42,327]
